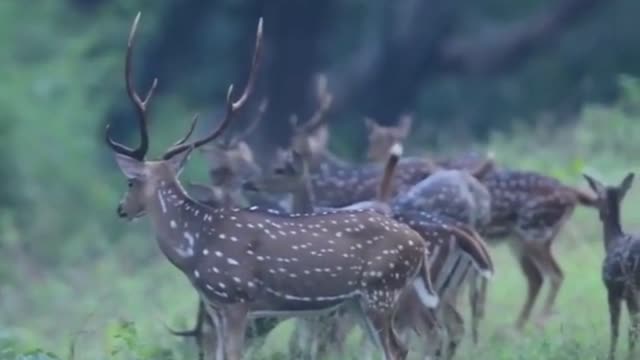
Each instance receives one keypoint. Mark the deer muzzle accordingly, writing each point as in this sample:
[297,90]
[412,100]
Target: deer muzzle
[120,211]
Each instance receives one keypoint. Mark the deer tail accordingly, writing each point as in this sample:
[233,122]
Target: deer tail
[485,167]
[474,246]
[585,198]
[385,190]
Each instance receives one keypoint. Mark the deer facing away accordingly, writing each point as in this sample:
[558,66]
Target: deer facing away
[621,265]
[457,196]
[251,263]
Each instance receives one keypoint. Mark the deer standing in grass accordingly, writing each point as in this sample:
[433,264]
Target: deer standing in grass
[229,162]
[528,208]
[249,263]
[621,266]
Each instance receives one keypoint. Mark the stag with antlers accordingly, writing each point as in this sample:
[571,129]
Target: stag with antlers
[249,263]
[621,265]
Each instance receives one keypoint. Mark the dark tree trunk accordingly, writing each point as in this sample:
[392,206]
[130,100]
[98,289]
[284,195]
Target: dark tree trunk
[293,30]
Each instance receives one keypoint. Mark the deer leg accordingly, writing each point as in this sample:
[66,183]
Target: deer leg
[336,333]
[614,300]
[477,297]
[534,282]
[455,329]
[634,308]
[198,330]
[379,323]
[218,325]
[234,325]
[550,266]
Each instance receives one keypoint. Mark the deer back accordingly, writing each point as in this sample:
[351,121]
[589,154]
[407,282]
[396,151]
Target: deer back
[338,187]
[451,193]
[527,202]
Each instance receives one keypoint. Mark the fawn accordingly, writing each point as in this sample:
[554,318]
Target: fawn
[621,265]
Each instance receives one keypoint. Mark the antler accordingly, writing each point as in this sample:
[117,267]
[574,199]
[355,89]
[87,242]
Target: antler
[262,109]
[325,99]
[140,105]
[194,122]
[231,108]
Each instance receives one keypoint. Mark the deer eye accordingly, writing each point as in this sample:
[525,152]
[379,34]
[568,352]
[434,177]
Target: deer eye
[130,183]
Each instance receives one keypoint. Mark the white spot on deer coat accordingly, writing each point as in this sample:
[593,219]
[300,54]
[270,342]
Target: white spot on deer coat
[163,206]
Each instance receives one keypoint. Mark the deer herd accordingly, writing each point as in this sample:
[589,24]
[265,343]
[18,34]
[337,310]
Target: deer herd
[389,245]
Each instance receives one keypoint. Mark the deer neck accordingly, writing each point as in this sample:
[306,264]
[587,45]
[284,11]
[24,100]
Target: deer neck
[611,224]
[176,219]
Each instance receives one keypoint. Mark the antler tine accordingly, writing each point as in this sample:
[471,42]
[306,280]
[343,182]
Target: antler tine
[262,109]
[140,105]
[232,107]
[325,99]
[194,122]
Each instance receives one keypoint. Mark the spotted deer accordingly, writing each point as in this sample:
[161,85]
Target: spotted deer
[453,243]
[530,209]
[248,263]
[621,265]
[459,197]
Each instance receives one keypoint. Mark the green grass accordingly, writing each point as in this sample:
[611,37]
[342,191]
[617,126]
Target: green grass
[92,305]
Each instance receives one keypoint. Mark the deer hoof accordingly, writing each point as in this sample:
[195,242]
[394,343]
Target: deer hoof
[543,320]
[509,333]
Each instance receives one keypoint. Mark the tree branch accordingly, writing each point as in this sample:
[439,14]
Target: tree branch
[504,49]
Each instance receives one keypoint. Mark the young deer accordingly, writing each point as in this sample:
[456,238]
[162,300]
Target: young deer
[530,209]
[248,263]
[621,266]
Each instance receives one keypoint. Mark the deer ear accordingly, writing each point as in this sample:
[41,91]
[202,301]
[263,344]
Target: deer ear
[177,162]
[370,124]
[317,142]
[132,168]
[594,184]
[405,123]
[625,185]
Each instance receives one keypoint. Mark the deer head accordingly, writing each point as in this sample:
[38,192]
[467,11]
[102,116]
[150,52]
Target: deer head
[144,176]
[310,138]
[608,202]
[232,160]
[382,138]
